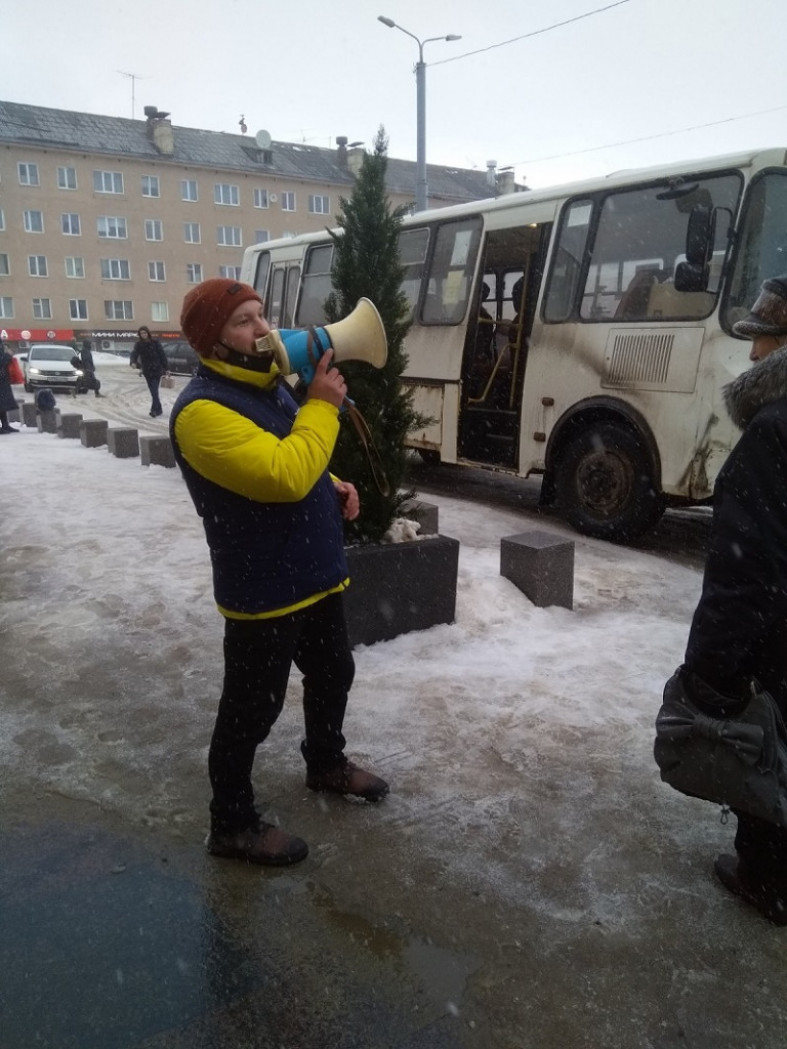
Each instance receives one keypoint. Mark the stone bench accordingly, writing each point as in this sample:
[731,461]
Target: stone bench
[425,514]
[541,565]
[122,443]
[29,413]
[93,432]
[47,421]
[68,425]
[156,451]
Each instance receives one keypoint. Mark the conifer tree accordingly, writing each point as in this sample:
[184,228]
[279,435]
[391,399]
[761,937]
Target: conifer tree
[366,263]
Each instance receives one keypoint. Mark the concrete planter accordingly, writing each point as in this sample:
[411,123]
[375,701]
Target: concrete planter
[399,587]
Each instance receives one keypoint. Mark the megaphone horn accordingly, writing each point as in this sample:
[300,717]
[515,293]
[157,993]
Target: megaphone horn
[359,337]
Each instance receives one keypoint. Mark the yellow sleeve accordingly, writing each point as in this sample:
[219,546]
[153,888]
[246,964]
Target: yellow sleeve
[233,452]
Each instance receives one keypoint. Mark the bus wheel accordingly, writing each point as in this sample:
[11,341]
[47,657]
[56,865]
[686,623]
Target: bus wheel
[604,484]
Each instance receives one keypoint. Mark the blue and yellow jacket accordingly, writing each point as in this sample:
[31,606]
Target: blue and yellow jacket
[256,467]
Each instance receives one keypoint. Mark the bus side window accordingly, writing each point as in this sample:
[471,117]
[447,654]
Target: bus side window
[316,285]
[261,273]
[567,261]
[291,291]
[450,271]
[412,256]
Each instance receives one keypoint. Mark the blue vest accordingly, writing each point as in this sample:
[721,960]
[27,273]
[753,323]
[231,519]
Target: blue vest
[265,556]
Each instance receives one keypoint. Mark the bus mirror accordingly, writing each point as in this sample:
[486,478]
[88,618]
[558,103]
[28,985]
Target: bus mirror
[699,235]
[692,275]
[690,278]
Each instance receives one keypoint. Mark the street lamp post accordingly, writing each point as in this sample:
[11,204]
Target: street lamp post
[421,190]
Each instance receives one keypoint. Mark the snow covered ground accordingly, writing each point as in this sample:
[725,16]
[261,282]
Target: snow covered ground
[517,740]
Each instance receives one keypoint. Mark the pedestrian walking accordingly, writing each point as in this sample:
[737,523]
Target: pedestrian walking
[151,360]
[7,399]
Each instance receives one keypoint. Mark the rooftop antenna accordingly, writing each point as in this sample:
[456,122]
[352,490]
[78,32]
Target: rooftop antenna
[132,77]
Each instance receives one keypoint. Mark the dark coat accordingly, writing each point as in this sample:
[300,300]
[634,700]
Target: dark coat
[149,357]
[86,357]
[7,399]
[265,555]
[739,630]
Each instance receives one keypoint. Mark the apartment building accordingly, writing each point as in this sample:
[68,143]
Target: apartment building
[106,222]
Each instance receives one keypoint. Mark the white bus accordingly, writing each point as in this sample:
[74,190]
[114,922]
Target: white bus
[582,333]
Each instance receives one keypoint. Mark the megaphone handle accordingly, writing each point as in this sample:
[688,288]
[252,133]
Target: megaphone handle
[365,434]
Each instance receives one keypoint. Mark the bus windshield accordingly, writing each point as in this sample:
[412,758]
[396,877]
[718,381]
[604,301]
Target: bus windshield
[762,244]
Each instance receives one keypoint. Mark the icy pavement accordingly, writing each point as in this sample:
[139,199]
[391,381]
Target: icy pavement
[528,883]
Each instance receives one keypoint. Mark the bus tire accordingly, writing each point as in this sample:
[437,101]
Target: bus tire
[604,484]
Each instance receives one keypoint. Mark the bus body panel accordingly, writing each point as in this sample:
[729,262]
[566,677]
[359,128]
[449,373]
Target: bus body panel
[638,343]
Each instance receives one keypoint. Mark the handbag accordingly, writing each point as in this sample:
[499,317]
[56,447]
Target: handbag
[15,374]
[167,382]
[737,762]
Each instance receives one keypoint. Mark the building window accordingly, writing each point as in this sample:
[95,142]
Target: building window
[288,202]
[150,186]
[42,309]
[156,271]
[230,272]
[6,306]
[69,224]
[191,233]
[108,181]
[118,310]
[75,266]
[2,219]
[261,235]
[229,236]
[66,178]
[319,205]
[34,222]
[260,198]
[159,311]
[4,270]
[188,189]
[112,226]
[115,269]
[224,193]
[36,266]
[77,309]
[194,272]
[153,229]
[28,174]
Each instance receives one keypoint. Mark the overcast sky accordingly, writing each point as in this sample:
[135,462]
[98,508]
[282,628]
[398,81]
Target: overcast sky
[638,83]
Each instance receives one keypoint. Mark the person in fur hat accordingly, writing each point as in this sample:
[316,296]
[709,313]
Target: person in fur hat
[256,467]
[739,629]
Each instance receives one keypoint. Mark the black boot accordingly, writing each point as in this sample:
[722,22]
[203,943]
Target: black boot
[763,893]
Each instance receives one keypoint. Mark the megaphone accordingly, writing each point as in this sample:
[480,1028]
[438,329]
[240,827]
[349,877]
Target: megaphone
[359,337]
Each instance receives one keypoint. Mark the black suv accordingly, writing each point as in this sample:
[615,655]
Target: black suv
[181,358]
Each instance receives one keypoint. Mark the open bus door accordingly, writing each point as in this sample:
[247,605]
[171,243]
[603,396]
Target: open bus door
[495,352]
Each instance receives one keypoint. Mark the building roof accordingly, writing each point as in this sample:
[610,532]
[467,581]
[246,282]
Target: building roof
[46,128]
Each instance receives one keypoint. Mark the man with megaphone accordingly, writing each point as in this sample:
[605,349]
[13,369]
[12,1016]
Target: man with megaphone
[256,467]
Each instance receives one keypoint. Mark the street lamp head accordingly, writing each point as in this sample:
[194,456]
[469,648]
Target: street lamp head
[387,21]
[453,36]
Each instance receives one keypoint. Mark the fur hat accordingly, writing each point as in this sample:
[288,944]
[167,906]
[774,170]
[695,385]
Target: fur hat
[207,308]
[768,314]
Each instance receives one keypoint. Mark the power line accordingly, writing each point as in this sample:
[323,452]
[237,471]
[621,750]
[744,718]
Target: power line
[525,36]
[648,138]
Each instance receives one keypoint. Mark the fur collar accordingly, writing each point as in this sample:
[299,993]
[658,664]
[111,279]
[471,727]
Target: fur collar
[762,384]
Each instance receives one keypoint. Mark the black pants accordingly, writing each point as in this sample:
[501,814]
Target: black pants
[153,382]
[258,655]
[761,845]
